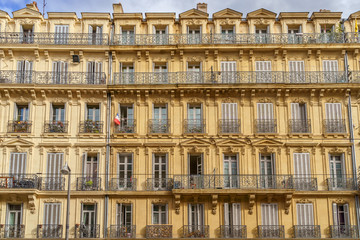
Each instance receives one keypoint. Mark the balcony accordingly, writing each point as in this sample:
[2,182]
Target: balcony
[126,126]
[49,231]
[122,231]
[52,183]
[344,231]
[22,181]
[56,127]
[87,231]
[194,126]
[265,126]
[334,126]
[307,231]
[233,231]
[12,230]
[305,183]
[161,126]
[19,126]
[271,231]
[229,126]
[300,126]
[88,184]
[159,184]
[196,231]
[123,184]
[90,126]
[159,231]
[341,183]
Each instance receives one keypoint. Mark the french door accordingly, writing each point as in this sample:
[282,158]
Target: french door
[302,172]
[267,171]
[160,172]
[125,169]
[231,171]
[54,165]
[263,71]
[297,72]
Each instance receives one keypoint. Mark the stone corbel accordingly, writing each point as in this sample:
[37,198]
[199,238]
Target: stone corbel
[214,202]
[31,203]
[113,55]
[37,55]
[147,55]
[2,53]
[216,53]
[172,55]
[46,54]
[181,53]
[138,54]
[206,55]
[288,199]
[177,203]
[11,55]
[251,203]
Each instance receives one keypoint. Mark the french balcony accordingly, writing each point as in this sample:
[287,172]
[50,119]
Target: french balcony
[194,126]
[56,127]
[233,231]
[122,231]
[264,126]
[307,231]
[88,184]
[12,230]
[271,231]
[305,183]
[123,184]
[52,183]
[299,126]
[19,126]
[341,183]
[49,231]
[159,231]
[90,126]
[196,231]
[344,231]
[334,126]
[229,126]
[161,126]
[19,181]
[125,126]
[159,184]
[87,231]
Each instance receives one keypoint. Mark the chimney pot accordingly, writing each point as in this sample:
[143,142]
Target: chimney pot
[202,7]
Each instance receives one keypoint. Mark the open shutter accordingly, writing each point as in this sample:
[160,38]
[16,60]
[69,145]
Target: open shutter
[300,29]
[236,214]
[167,29]
[335,214]
[90,34]
[84,158]
[190,214]
[346,214]
[226,214]
[154,29]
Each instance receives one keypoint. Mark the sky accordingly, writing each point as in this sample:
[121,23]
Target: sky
[178,6]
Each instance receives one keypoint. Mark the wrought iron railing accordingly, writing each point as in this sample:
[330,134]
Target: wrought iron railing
[344,231]
[271,231]
[300,126]
[52,183]
[265,126]
[159,231]
[159,126]
[56,127]
[123,184]
[341,182]
[194,126]
[19,126]
[307,231]
[334,126]
[125,126]
[30,181]
[233,231]
[49,231]
[229,126]
[90,126]
[196,231]
[88,184]
[122,231]
[159,184]
[305,183]
[12,230]
[87,230]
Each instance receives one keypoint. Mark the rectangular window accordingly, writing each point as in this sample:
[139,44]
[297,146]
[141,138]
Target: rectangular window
[52,226]
[297,72]
[196,214]
[302,171]
[160,119]
[94,74]
[95,35]
[194,34]
[93,113]
[61,34]
[88,227]
[196,171]
[229,118]
[341,218]
[24,71]
[160,73]
[127,35]
[27,34]
[269,214]
[298,121]
[124,214]
[305,214]
[232,214]
[57,113]
[14,221]
[126,73]
[125,171]
[194,72]
[263,71]
[160,169]
[127,121]
[228,72]
[194,121]
[53,180]
[161,35]
[17,164]
[267,170]
[160,214]
[228,35]
[90,172]
[334,121]
[265,118]
[60,72]
[331,72]
[338,179]
[262,34]
[231,171]
[21,112]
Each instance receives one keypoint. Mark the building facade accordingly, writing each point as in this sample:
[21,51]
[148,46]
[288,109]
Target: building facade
[226,127]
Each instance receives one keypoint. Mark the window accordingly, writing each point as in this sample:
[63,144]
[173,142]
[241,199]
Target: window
[298,121]
[127,121]
[61,34]
[229,118]
[161,35]
[267,171]
[334,122]
[194,121]
[94,73]
[60,72]
[194,72]
[331,72]
[196,171]
[160,73]
[262,34]
[21,112]
[196,214]
[90,180]
[53,180]
[338,179]
[159,214]
[228,72]
[302,171]
[26,34]
[127,73]
[265,118]
[231,171]
[51,227]
[57,113]
[24,71]
[305,214]
[124,214]
[263,71]
[228,34]
[297,72]
[17,164]
[160,169]
[341,218]
[232,221]
[88,228]
[194,34]
[93,113]
[14,221]
[270,220]
[127,35]
[295,34]
[160,119]
[125,171]
[95,35]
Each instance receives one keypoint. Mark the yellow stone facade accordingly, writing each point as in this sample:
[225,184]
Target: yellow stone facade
[230,126]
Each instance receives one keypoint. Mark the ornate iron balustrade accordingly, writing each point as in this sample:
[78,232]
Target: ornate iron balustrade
[12,230]
[56,127]
[196,231]
[49,231]
[159,126]
[158,231]
[123,184]
[126,126]
[159,184]
[305,183]
[29,181]
[265,126]
[344,231]
[341,182]
[271,231]
[334,126]
[90,126]
[19,126]
[233,231]
[307,231]
[354,76]
[194,126]
[88,184]
[123,231]
[52,183]
[229,126]
[300,126]
[87,231]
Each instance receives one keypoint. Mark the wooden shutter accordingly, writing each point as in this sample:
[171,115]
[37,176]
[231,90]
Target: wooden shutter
[236,214]
[298,111]
[84,159]
[305,214]
[263,66]
[190,214]
[346,214]
[55,163]
[17,163]
[226,214]
[228,66]
[269,214]
[296,66]
[265,111]
[333,111]
[335,214]
[52,213]
[330,65]
[302,164]
[229,111]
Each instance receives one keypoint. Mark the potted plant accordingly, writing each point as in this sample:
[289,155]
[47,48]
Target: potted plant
[89,184]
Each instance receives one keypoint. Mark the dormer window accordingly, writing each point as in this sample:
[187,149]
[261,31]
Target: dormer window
[227,30]
[262,34]
[161,35]
[127,36]
[294,34]
[194,34]
[95,35]
[327,28]
[26,33]
[326,34]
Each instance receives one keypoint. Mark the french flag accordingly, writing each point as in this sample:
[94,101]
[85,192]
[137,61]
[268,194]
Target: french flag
[117,119]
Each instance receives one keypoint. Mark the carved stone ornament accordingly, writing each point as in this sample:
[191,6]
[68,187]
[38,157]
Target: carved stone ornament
[160,100]
[214,202]
[19,149]
[228,100]
[88,200]
[288,199]
[265,100]
[193,22]
[160,150]
[339,200]
[299,100]
[332,100]
[336,150]
[303,200]
[59,100]
[159,201]
[52,200]
[301,150]
[123,200]
[126,100]
[251,203]
[261,21]
[177,203]
[266,149]
[194,59]
[227,22]
[31,203]
[13,198]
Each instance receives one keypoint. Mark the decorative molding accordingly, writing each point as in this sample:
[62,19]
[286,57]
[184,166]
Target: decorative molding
[160,100]
[124,200]
[267,149]
[303,200]
[261,21]
[228,100]
[52,200]
[332,100]
[299,100]
[159,201]
[336,150]
[288,199]
[264,100]
[177,203]
[194,100]
[251,203]
[214,202]
[31,203]
[88,200]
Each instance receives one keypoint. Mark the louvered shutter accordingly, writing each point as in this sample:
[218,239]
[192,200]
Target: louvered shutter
[90,39]
[269,214]
[263,71]
[335,214]
[190,215]
[52,213]
[99,35]
[236,214]
[302,164]
[305,214]
[98,70]
[54,164]
[346,215]
[229,111]
[296,69]
[330,65]
[17,163]
[84,159]
[28,71]
[333,111]
[226,214]
[265,111]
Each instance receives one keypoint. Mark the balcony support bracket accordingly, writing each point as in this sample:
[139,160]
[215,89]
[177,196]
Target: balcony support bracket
[31,202]
[214,202]
[288,199]
[251,203]
[177,203]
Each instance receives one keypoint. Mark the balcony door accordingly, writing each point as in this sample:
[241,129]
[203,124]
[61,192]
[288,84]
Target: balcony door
[21,113]
[341,220]
[127,122]
[269,214]
[227,34]
[24,71]
[265,118]
[127,75]
[88,227]
[51,227]
[94,73]
[14,221]
[261,34]
[196,215]
[305,214]
[160,73]
[299,122]
[61,34]
[232,215]
[196,171]
[124,214]
[229,118]
[159,214]
[267,171]
[95,35]
[127,35]
[194,34]
[194,124]
[294,34]
[263,71]
[60,72]
[297,72]
[228,72]
[337,172]
[17,166]
[194,72]
[160,118]
[125,171]
[93,113]
[161,35]
[54,165]
[90,170]
[231,171]
[160,169]
[331,72]
[302,171]
[334,122]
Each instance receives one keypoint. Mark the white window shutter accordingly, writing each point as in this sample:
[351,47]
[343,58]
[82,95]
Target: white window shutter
[333,111]
[236,214]
[335,214]
[190,214]
[226,214]
[330,65]
[346,214]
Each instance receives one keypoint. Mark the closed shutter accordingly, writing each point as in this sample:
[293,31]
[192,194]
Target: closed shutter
[229,111]
[298,111]
[90,34]
[305,214]
[84,159]
[236,214]
[302,164]
[296,66]
[265,111]
[54,164]
[296,71]
[99,31]
[263,71]
[330,65]
[263,66]
[52,213]
[226,214]
[269,214]
[98,71]
[17,163]
[228,66]
[333,111]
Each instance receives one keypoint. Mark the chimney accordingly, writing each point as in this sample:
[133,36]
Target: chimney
[117,8]
[202,7]
[324,10]
[33,6]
